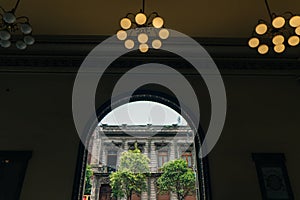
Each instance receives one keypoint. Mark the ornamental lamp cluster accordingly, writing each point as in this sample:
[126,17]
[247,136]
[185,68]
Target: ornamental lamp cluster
[283,31]
[144,28]
[15,29]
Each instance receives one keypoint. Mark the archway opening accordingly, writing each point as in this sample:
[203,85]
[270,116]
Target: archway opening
[160,134]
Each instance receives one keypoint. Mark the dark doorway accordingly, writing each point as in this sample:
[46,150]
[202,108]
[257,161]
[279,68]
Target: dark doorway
[105,192]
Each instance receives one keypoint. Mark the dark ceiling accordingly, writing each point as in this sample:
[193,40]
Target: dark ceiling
[218,18]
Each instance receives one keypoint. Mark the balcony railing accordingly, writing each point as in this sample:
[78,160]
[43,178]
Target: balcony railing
[103,169]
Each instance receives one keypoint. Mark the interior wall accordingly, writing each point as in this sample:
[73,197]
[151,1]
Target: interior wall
[263,116]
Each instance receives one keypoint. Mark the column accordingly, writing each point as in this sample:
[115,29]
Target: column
[153,158]
[172,150]
[96,148]
[103,155]
[173,196]
[152,189]
[144,195]
[96,188]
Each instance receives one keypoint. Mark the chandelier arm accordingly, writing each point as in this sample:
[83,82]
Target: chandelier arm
[2,9]
[143,6]
[153,13]
[135,24]
[23,17]
[288,13]
[16,6]
[151,17]
[129,15]
[269,10]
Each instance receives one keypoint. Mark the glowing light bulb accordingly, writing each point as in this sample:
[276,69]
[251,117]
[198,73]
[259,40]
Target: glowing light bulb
[125,23]
[297,31]
[164,34]
[158,22]
[140,18]
[253,42]
[142,38]
[156,44]
[293,40]
[261,29]
[278,39]
[129,44]
[295,21]
[278,22]
[144,48]
[279,48]
[263,49]
[121,35]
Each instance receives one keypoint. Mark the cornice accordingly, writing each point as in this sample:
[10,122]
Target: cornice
[66,53]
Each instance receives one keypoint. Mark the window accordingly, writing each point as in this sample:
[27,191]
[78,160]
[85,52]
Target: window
[187,156]
[163,157]
[112,158]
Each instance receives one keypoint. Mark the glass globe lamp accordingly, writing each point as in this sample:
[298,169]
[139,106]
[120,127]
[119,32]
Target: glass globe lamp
[263,49]
[142,38]
[156,44]
[253,42]
[278,39]
[279,48]
[261,29]
[29,40]
[5,43]
[4,35]
[129,44]
[140,18]
[158,22]
[278,22]
[125,23]
[163,34]
[21,45]
[293,40]
[9,17]
[295,21]
[143,48]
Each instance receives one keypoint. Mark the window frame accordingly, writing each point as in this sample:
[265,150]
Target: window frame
[186,155]
[167,156]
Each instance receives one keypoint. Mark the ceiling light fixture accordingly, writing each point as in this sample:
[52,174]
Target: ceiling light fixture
[11,26]
[148,30]
[281,32]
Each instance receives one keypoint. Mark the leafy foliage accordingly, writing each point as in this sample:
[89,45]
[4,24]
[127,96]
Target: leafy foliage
[177,178]
[131,175]
[88,181]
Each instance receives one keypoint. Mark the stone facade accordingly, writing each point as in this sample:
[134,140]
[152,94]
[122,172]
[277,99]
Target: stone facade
[159,143]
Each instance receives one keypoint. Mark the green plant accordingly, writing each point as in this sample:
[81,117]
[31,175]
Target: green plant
[88,181]
[177,178]
[132,174]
